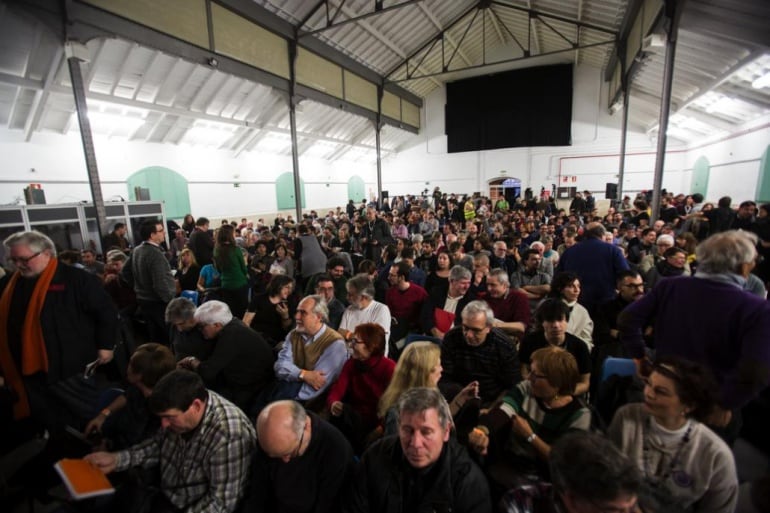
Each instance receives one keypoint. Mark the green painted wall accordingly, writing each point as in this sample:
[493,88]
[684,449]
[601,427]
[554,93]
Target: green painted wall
[165,185]
[356,189]
[763,182]
[284,191]
[700,176]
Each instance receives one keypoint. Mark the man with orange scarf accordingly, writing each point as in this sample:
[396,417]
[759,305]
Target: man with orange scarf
[54,320]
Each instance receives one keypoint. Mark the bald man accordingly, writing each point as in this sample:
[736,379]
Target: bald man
[301,464]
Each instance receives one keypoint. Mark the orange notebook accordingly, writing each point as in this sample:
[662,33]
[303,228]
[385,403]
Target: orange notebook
[83,480]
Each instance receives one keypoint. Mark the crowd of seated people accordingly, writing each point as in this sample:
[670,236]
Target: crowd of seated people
[461,336]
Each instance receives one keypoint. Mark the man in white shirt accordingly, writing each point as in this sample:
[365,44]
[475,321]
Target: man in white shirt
[363,308]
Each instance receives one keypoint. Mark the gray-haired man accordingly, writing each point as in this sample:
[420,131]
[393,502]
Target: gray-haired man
[421,469]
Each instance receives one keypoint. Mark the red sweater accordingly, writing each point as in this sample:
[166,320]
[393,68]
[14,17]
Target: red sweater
[361,384]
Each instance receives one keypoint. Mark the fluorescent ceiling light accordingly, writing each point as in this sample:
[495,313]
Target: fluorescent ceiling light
[274,144]
[763,81]
[725,105]
[208,135]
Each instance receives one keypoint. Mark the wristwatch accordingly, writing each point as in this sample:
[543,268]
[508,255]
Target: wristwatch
[531,438]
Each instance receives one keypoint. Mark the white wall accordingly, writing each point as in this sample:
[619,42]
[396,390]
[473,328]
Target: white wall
[734,161]
[593,159]
[59,166]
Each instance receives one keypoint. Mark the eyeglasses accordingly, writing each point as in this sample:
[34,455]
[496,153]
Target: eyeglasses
[473,330]
[533,376]
[355,340]
[634,285]
[24,260]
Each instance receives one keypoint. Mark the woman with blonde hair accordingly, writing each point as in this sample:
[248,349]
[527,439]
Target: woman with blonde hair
[188,271]
[418,366]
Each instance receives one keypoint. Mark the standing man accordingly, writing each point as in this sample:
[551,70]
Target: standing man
[54,320]
[710,319]
[202,242]
[421,469]
[90,263]
[375,235]
[116,239]
[150,274]
[312,355]
[202,451]
[596,263]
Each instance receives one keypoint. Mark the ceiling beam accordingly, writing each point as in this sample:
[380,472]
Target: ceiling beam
[40,101]
[123,65]
[496,26]
[577,31]
[243,111]
[756,99]
[147,69]
[199,93]
[707,118]
[167,136]
[354,17]
[497,63]
[172,72]
[248,137]
[233,96]
[447,37]
[542,14]
[431,40]
[15,80]
[183,113]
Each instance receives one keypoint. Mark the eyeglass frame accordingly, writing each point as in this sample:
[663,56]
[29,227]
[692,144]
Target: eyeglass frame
[24,260]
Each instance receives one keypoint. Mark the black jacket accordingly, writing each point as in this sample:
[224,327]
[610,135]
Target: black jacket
[78,318]
[201,243]
[384,480]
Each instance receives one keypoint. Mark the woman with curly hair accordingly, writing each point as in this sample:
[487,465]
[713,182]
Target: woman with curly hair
[685,463]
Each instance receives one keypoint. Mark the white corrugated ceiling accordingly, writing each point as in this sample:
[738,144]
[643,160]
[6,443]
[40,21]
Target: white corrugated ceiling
[144,94]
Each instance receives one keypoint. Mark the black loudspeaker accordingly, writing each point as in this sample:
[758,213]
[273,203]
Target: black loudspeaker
[611,192]
[384,195]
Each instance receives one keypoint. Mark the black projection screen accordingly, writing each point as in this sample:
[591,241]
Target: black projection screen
[519,108]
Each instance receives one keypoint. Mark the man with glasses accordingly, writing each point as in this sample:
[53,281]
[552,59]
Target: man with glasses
[54,320]
[476,351]
[202,450]
[325,287]
[150,274]
[312,355]
[363,308]
[301,463]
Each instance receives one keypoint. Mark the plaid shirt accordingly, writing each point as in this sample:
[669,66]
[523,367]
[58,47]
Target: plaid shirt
[203,471]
